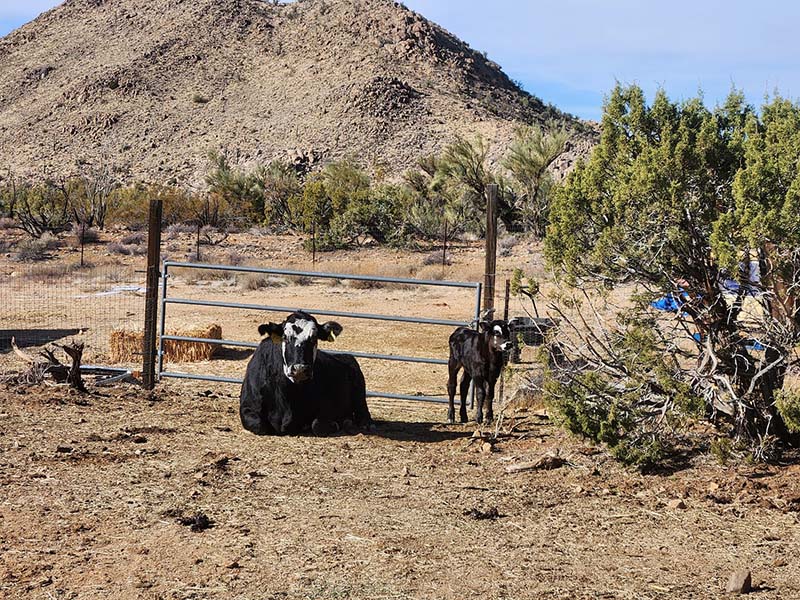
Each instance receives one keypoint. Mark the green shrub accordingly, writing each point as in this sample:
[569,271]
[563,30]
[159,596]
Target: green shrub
[629,396]
[722,449]
[788,402]
[340,208]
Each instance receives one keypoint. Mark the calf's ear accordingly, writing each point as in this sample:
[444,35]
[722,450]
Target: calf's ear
[274,331]
[329,331]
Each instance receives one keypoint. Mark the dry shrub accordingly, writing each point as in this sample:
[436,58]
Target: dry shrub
[301,280]
[134,238]
[257,281]
[115,273]
[177,229]
[234,259]
[435,258]
[259,231]
[192,275]
[84,235]
[126,249]
[506,244]
[361,284]
[6,223]
[127,346]
[35,249]
[52,273]
[432,273]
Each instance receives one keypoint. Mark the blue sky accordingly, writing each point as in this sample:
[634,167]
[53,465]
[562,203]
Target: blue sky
[571,52]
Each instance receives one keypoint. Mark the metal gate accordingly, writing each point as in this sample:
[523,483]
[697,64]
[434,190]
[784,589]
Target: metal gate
[166,300]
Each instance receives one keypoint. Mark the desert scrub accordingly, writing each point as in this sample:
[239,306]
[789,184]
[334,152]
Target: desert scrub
[36,249]
[257,281]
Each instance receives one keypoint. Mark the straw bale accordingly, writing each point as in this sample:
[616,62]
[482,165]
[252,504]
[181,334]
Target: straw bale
[126,346]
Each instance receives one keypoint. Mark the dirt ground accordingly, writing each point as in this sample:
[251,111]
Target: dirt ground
[93,488]
[121,494]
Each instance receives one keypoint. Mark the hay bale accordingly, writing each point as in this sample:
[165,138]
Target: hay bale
[126,346]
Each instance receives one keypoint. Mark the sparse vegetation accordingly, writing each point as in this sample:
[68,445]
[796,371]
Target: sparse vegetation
[35,249]
[84,235]
[257,281]
[127,249]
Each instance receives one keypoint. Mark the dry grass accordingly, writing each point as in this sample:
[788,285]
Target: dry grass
[192,276]
[257,281]
[126,346]
[51,273]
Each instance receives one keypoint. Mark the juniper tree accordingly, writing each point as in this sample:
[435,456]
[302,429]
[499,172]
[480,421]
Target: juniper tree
[704,206]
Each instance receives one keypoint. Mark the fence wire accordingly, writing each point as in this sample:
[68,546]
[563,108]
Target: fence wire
[41,304]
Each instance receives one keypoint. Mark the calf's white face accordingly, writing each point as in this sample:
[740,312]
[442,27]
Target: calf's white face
[500,336]
[298,336]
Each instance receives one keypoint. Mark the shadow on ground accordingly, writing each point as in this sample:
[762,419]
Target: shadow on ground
[27,338]
[424,432]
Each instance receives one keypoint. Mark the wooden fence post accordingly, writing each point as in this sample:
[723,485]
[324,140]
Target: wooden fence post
[151,294]
[491,246]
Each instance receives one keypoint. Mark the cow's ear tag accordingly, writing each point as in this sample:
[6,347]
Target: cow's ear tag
[276,338]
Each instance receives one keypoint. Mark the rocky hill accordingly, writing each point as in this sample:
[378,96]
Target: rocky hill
[151,86]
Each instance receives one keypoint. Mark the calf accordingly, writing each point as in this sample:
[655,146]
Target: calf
[290,386]
[480,353]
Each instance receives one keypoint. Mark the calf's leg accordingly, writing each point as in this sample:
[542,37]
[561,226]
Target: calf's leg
[479,385]
[452,370]
[490,401]
[465,380]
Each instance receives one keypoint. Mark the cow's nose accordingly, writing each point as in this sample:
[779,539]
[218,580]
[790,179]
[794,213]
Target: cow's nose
[300,372]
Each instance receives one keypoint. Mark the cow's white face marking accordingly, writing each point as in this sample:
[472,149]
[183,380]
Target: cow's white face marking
[498,330]
[299,331]
[298,335]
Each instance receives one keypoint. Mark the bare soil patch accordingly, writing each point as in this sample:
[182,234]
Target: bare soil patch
[125,495]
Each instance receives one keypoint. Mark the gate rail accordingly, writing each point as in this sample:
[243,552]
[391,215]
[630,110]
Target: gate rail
[165,300]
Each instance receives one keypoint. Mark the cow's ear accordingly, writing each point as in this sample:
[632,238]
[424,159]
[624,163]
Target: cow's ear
[274,331]
[329,331]
[483,326]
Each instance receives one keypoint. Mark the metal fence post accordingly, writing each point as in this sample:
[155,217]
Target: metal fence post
[491,246]
[506,300]
[151,295]
[163,320]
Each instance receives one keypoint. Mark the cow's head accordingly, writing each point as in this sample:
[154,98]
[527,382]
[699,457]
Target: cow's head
[298,336]
[498,333]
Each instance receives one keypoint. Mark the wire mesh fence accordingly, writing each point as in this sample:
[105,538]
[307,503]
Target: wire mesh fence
[43,303]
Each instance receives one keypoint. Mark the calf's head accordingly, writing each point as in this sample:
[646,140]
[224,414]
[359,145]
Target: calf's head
[498,333]
[298,336]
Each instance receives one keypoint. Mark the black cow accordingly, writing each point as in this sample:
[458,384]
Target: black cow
[480,353]
[290,386]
